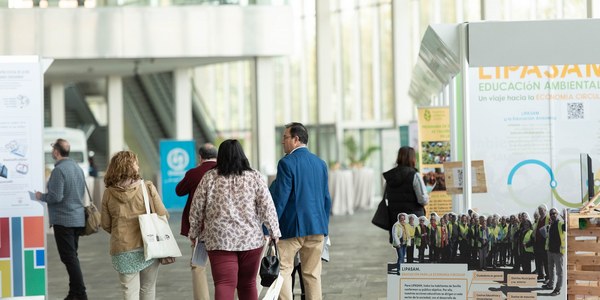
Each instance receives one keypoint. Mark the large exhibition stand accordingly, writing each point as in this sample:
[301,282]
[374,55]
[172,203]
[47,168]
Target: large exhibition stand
[526,100]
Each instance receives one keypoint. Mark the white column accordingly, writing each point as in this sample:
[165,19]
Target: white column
[464,68]
[491,10]
[376,46]
[183,104]
[340,92]
[57,105]
[262,114]
[324,63]
[457,204]
[560,9]
[460,11]
[402,61]
[356,66]
[593,8]
[116,140]
[436,11]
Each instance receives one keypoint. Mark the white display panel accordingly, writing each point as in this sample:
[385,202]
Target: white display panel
[21,123]
[529,124]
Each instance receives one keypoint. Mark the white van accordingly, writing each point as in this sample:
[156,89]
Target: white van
[75,137]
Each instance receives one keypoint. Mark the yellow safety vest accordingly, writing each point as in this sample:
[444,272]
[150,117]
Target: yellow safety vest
[526,240]
[411,231]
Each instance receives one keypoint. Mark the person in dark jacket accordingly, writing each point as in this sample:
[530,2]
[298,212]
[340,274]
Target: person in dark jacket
[187,186]
[405,189]
[555,245]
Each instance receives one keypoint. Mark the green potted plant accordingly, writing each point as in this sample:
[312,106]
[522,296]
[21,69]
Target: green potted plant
[355,157]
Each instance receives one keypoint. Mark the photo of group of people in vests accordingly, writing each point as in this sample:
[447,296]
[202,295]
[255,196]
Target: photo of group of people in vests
[513,244]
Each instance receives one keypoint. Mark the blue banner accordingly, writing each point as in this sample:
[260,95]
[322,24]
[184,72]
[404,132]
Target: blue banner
[176,158]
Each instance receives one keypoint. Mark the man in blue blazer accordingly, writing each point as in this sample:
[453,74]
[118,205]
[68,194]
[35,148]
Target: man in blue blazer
[301,195]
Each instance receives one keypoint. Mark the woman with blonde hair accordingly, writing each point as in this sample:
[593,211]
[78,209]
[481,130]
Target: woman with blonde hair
[122,202]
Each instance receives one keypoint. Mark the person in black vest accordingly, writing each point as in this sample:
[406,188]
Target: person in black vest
[405,189]
[555,245]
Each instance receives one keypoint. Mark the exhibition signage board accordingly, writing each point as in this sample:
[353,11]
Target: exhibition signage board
[454,177]
[434,150]
[22,233]
[447,281]
[529,125]
[176,158]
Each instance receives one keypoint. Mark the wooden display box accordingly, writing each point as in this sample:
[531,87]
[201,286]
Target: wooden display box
[583,258]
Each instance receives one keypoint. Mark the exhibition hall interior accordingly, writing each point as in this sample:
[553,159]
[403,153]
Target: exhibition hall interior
[364,76]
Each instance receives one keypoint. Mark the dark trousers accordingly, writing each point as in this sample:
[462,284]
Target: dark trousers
[541,262]
[465,251]
[67,243]
[233,270]
[410,253]
[422,254]
[445,254]
[516,259]
[434,254]
[453,250]
[526,259]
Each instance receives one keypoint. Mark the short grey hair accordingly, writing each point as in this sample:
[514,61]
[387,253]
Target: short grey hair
[207,151]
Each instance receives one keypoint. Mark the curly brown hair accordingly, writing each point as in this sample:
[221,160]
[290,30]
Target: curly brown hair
[121,168]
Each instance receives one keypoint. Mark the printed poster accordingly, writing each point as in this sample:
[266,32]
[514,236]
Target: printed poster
[22,234]
[433,152]
[530,124]
[176,158]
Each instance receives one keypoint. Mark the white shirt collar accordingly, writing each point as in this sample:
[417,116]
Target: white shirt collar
[303,146]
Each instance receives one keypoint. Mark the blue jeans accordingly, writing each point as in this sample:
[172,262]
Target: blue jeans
[401,253]
[67,242]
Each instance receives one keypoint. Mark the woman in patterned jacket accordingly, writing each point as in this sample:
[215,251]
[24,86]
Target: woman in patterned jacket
[230,205]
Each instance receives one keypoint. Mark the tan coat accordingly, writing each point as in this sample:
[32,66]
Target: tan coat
[120,210]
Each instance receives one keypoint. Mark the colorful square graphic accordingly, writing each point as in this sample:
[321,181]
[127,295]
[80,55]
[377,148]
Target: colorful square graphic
[4,238]
[22,257]
[33,230]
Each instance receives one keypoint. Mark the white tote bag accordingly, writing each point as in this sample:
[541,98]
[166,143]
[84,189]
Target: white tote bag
[158,238]
[273,291]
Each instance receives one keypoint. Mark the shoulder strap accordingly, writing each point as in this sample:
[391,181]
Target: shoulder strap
[88,192]
[145,195]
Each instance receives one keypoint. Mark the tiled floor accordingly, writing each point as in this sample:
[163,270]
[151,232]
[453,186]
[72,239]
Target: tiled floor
[357,267]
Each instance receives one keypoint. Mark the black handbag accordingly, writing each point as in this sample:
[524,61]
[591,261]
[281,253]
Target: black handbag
[381,218]
[269,266]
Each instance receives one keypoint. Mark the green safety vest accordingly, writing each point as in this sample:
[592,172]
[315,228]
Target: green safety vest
[463,230]
[437,241]
[526,240]
[418,235]
[493,234]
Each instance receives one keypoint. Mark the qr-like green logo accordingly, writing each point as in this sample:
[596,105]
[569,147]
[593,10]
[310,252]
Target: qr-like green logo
[427,115]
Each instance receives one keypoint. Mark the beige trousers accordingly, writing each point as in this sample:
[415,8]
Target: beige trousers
[200,283]
[141,285]
[310,248]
